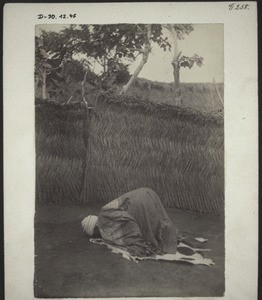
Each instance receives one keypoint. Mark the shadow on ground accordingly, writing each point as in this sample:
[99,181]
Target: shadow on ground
[68,265]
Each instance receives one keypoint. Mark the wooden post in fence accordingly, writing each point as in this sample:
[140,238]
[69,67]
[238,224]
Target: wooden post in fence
[86,195]
[219,96]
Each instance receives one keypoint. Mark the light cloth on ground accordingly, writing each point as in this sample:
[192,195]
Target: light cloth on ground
[194,257]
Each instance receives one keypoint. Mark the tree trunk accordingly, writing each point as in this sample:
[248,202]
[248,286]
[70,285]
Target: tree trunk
[44,91]
[176,73]
[83,92]
[36,85]
[176,55]
[146,52]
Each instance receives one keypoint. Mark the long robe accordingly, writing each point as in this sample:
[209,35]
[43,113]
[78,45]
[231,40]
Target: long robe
[138,222]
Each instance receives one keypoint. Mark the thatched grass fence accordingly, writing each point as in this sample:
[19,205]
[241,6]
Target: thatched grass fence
[128,144]
[60,152]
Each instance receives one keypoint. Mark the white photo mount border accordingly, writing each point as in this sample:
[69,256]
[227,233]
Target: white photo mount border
[241,133]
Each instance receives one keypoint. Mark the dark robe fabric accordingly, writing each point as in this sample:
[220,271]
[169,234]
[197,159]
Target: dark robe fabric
[138,222]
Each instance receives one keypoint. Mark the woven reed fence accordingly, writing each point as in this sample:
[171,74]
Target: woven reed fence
[60,152]
[176,152]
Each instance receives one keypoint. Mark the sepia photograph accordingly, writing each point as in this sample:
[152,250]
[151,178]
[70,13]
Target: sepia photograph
[130,150]
[129,160]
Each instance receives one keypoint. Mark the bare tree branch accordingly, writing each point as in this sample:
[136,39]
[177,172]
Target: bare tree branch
[219,96]
[137,49]
[83,89]
[139,28]
[145,52]
[69,99]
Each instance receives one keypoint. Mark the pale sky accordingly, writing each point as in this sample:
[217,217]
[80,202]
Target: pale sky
[207,40]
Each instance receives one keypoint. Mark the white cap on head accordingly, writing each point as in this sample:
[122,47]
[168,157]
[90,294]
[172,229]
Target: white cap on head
[88,224]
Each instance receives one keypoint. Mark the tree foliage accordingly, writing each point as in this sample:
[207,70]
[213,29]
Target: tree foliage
[55,69]
[100,54]
[179,32]
[188,61]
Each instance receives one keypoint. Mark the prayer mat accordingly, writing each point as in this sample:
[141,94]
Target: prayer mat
[185,253]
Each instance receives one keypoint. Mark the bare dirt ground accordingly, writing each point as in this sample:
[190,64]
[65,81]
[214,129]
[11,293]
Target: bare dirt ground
[68,265]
